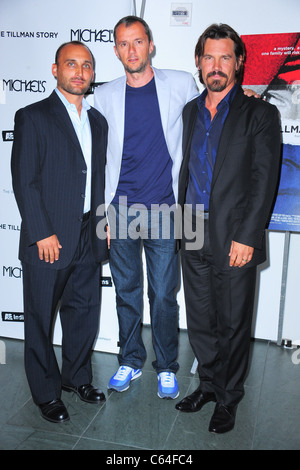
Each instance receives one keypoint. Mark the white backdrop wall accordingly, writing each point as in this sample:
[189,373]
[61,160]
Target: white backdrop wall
[30,32]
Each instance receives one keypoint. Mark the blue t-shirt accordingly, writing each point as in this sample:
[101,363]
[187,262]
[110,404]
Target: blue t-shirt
[146,169]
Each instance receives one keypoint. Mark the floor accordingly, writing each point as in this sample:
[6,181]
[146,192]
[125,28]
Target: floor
[268,418]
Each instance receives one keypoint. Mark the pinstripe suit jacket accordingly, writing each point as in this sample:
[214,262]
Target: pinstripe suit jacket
[49,177]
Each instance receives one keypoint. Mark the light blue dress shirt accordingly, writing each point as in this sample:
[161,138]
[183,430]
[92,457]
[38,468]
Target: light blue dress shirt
[83,131]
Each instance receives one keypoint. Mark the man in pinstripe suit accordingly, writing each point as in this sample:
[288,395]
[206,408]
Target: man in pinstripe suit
[58,161]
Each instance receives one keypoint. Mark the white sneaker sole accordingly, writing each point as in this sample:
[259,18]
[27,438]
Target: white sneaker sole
[111,387]
[166,396]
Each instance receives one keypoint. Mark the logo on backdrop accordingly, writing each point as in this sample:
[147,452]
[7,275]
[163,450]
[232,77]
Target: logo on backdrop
[29,34]
[12,316]
[9,226]
[92,35]
[12,271]
[32,86]
[7,136]
[106,281]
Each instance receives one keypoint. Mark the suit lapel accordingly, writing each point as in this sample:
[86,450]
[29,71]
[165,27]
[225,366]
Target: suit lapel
[96,134]
[63,121]
[229,126]
[118,108]
[94,130]
[189,120]
[189,126]
[163,94]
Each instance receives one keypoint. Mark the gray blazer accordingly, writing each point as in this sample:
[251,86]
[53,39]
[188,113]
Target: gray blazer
[174,90]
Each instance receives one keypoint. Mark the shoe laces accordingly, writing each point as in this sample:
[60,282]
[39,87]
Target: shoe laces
[167,379]
[122,372]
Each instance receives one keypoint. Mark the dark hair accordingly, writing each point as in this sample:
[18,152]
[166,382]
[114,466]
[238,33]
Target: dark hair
[223,31]
[129,21]
[74,43]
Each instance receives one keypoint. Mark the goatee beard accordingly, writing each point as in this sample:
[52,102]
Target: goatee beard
[216,85]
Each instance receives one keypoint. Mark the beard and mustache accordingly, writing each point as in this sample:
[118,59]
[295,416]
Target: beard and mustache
[216,85]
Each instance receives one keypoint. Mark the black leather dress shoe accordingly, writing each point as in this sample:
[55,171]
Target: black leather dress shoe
[87,393]
[54,411]
[223,419]
[195,401]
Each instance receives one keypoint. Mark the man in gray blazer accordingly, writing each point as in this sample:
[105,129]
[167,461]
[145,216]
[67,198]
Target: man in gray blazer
[58,161]
[143,110]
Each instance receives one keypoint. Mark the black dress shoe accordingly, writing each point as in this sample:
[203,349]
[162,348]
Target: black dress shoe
[54,411]
[87,393]
[223,419]
[195,401]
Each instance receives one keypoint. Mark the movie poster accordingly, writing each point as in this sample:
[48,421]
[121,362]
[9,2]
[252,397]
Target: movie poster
[273,70]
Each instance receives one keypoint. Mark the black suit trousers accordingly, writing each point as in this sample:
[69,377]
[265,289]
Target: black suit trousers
[219,308]
[76,291]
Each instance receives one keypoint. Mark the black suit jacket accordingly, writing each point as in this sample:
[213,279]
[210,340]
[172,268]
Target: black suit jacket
[245,175]
[49,177]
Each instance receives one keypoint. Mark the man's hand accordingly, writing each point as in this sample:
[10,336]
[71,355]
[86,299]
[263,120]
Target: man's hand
[249,92]
[240,254]
[49,249]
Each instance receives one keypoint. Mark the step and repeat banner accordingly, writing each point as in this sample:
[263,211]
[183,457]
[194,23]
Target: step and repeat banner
[273,70]
[30,33]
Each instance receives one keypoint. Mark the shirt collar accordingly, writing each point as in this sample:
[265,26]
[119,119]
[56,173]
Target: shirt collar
[68,105]
[227,100]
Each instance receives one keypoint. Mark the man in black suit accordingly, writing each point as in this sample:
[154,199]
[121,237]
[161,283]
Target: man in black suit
[58,161]
[231,161]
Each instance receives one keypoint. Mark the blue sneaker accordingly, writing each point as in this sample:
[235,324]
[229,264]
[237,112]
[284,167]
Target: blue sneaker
[167,385]
[122,378]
